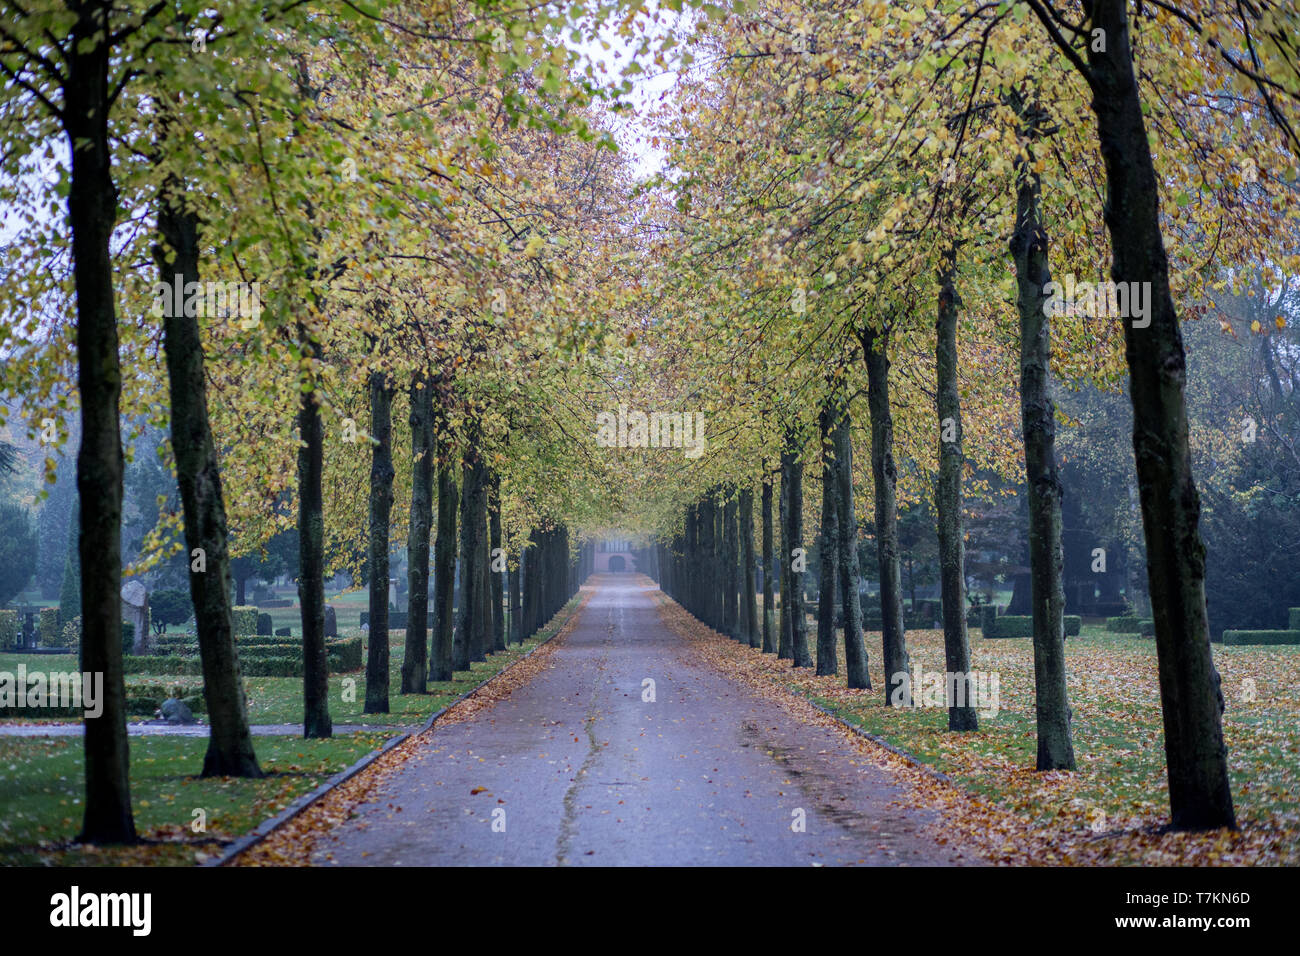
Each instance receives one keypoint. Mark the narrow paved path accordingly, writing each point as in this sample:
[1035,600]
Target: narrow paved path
[587,772]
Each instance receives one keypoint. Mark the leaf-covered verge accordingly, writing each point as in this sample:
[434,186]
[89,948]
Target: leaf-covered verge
[1112,810]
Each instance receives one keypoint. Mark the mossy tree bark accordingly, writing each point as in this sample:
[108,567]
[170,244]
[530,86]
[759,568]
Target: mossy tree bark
[748,617]
[769,601]
[1191,696]
[827,552]
[875,346]
[381,506]
[792,469]
[962,714]
[1038,424]
[92,214]
[855,650]
[311,558]
[444,569]
[230,742]
[415,670]
[496,591]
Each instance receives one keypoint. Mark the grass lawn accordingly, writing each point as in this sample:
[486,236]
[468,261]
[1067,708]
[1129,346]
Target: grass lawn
[42,789]
[41,779]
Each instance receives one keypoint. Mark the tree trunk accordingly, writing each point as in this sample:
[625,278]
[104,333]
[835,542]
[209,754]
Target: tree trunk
[230,743]
[730,568]
[855,650]
[748,624]
[769,602]
[495,591]
[444,567]
[826,550]
[414,665]
[786,642]
[92,212]
[311,557]
[875,345]
[481,637]
[962,713]
[516,634]
[381,506]
[794,542]
[1190,692]
[1038,424]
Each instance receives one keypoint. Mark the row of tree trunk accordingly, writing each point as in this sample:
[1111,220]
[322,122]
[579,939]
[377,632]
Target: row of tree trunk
[536,584]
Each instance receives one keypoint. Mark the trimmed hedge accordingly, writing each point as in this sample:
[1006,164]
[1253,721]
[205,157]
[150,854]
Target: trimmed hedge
[10,628]
[243,619]
[1128,624]
[1294,618]
[1073,625]
[267,660]
[47,627]
[1008,625]
[1261,637]
[1147,628]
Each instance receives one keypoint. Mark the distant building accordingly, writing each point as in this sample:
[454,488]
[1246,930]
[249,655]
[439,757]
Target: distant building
[614,556]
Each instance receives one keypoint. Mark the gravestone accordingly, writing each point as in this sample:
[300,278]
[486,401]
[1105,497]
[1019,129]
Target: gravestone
[135,611]
[392,593]
[331,622]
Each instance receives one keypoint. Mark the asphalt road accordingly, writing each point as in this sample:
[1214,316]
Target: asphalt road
[577,768]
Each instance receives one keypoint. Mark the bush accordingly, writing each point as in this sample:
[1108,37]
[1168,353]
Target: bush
[47,627]
[1008,625]
[243,619]
[170,606]
[264,625]
[11,630]
[153,664]
[1147,628]
[72,633]
[1073,625]
[1294,615]
[264,660]
[1127,624]
[1261,637]
[349,651]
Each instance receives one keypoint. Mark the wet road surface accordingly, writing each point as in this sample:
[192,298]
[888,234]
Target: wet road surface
[579,767]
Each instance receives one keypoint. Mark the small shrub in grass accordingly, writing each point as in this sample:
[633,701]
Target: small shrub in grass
[348,650]
[1127,624]
[72,633]
[243,619]
[1147,628]
[1008,625]
[10,628]
[47,627]
[1073,625]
